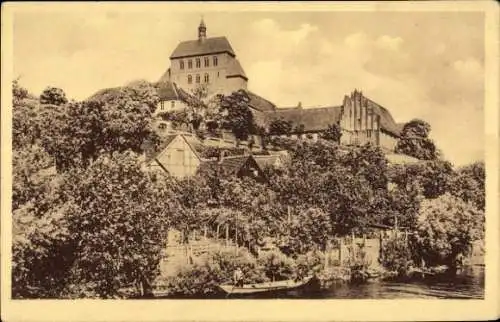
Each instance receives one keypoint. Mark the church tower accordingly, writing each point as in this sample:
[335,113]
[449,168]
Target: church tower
[202,31]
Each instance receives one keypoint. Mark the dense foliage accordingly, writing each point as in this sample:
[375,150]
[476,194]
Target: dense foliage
[89,222]
[415,141]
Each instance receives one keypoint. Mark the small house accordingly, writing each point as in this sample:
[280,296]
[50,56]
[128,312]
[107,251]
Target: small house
[177,155]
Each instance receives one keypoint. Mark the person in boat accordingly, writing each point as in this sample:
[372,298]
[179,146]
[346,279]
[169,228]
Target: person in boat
[238,277]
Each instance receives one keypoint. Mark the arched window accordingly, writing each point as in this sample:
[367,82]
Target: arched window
[190,79]
[181,63]
[197,79]
[206,78]
[190,63]
[215,61]
[207,62]
[198,63]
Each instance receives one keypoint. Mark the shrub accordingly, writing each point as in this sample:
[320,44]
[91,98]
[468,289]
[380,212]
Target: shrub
[396,256]
[277,266]
[209,271]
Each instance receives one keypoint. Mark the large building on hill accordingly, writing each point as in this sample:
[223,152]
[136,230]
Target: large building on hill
[211,62]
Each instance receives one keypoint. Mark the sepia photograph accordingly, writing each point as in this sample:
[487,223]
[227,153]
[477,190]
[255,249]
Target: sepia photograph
[208,151]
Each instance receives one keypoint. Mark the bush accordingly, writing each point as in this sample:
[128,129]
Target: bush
[396,256]
[277,266]
[205,275]
[311,262]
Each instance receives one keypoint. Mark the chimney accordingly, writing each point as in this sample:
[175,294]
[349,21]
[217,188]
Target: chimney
[299,105]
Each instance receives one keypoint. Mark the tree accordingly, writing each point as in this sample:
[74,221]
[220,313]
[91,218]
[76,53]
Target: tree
[27,182]
[53,96]
[237,116]
[434,177]
[415,141]
[119,219]
[19,93]
[332,133]
[445,230]
[469,184]
[280,127]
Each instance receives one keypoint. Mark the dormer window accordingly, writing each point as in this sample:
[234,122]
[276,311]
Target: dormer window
[190,63]
[207,62]
[198,63]
[181,64]
[215,61]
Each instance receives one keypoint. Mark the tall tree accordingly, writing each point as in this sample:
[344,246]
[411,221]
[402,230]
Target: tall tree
[415,141]
[446,229]
[237,115]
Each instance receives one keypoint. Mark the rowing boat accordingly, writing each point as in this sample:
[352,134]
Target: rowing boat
[264,288]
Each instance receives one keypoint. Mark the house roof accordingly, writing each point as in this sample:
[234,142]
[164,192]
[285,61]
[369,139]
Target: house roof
[167,91]
[194,143]
[208,46]
[259,103]
[230,165]
[266,160]
[313,119]
[387,123]
[235,69]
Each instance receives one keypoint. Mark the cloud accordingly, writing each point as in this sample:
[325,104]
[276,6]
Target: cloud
[389,43]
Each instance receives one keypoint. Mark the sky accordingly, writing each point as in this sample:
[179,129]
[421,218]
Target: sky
[427,65]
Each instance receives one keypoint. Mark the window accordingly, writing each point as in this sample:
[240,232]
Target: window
[197,79]
[181,63]
[190,64]
[215,61]
[162,105]
[173,104]
[207,62]
[206,78]
[190,79]
[198,63]
[217,74]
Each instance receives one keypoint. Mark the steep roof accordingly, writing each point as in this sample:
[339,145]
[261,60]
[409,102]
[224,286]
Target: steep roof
[167,91]
[313,119]
[195,144]
[387,123]
[266,160]
[259,103]
[235,69]
[208,46]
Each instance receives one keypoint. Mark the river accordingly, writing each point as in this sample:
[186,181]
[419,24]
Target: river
[467,284]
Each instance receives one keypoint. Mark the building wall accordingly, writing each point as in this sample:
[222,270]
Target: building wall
[217,82]
[167,106]
[178,158]
[387,141]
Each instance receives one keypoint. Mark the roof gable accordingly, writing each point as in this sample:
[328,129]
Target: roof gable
[208,46]
[192,142]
